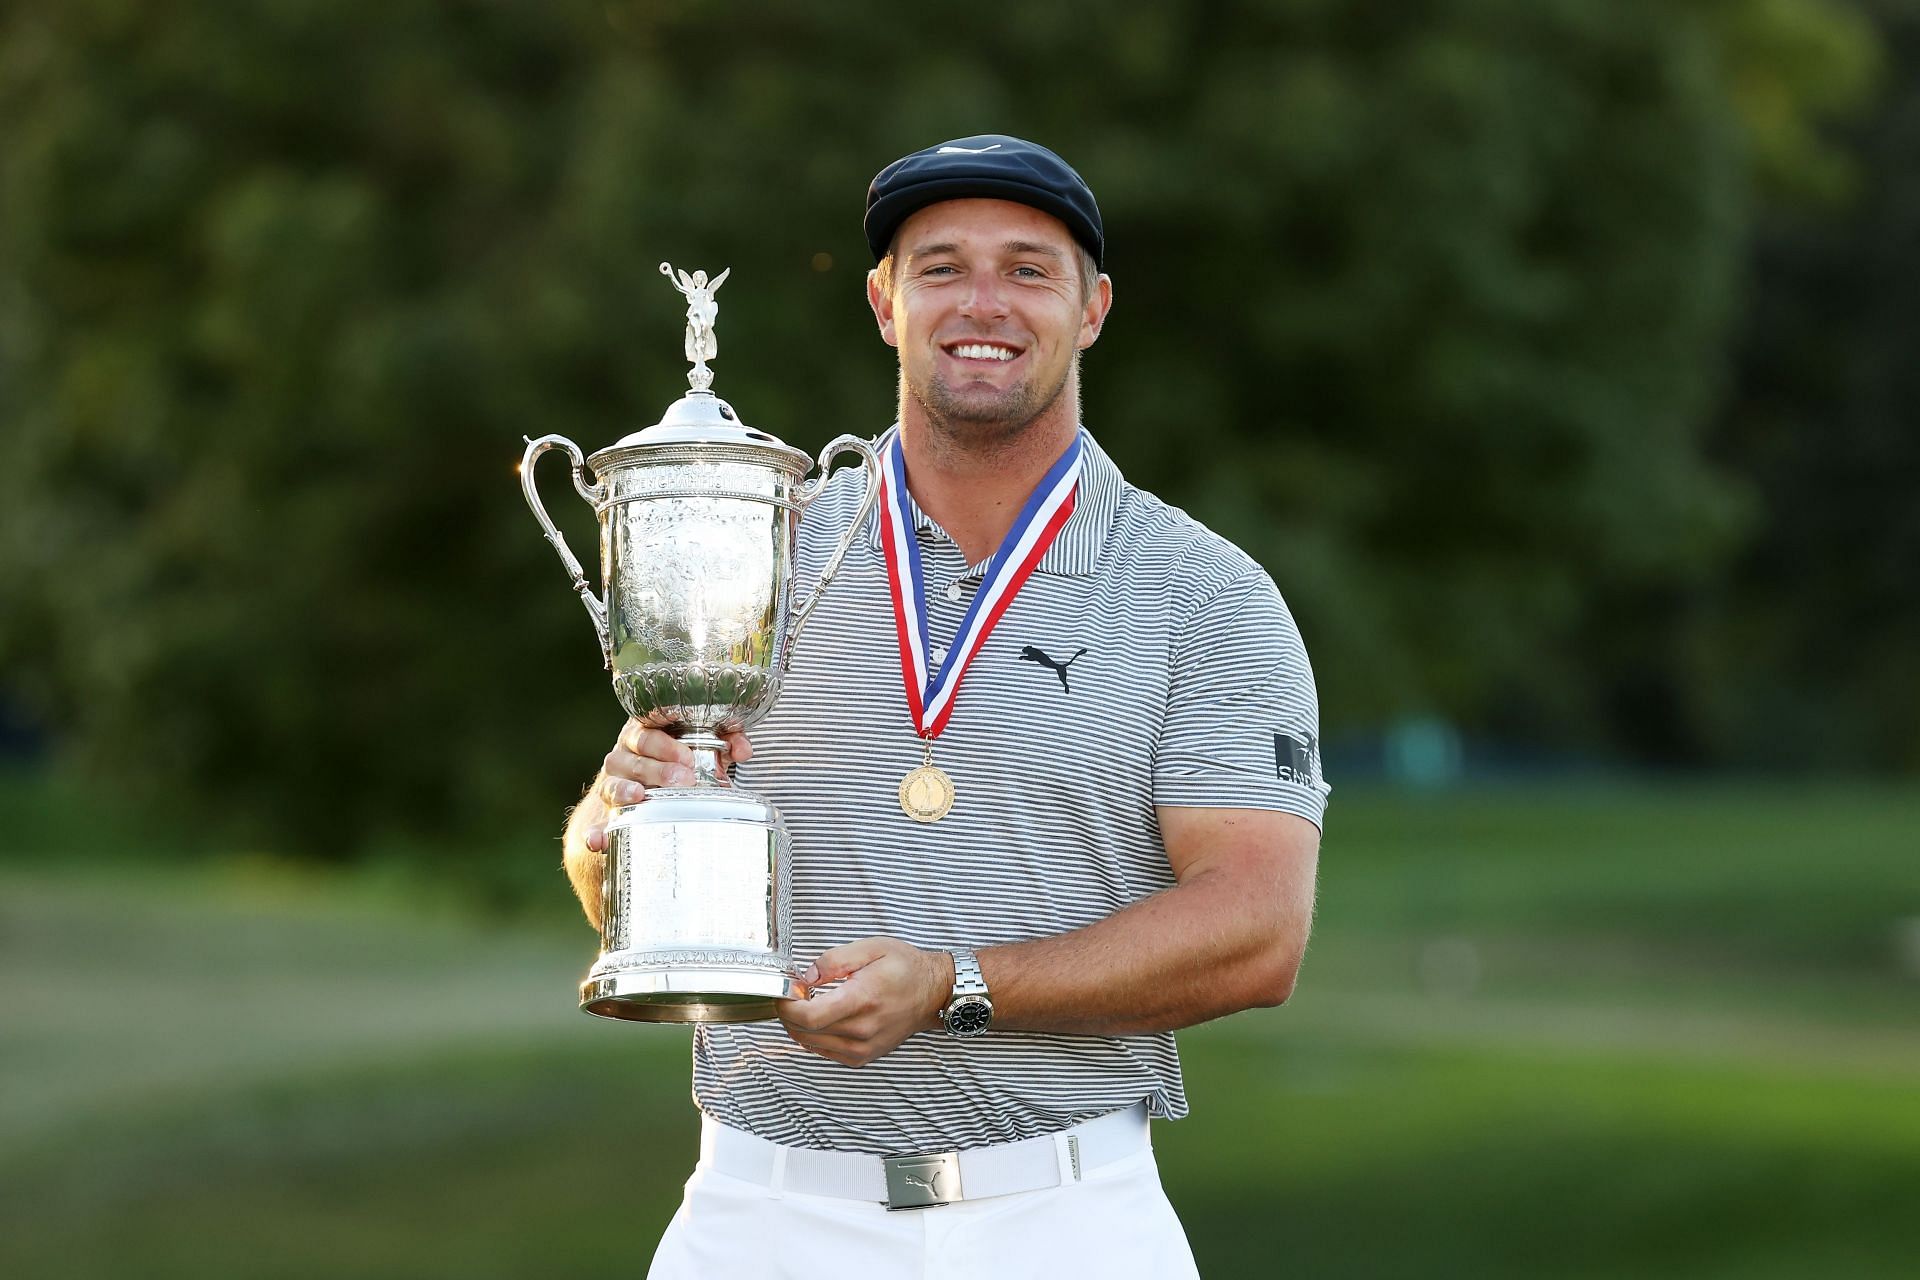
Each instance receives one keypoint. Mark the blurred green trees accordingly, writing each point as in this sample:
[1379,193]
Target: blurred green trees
[1428,311]
[1803,652]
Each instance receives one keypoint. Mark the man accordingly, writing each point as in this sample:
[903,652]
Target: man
[1012,886]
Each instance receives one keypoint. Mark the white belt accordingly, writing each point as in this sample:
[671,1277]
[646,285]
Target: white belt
[934,1178]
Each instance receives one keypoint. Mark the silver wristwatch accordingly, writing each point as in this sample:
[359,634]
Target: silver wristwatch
[969,1012]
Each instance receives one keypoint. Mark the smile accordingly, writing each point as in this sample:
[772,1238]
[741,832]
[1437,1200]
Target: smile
[982,351]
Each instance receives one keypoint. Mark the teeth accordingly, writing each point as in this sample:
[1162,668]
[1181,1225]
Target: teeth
[981,351]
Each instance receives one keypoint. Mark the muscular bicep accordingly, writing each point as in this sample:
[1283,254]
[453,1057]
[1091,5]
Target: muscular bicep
[1272,856]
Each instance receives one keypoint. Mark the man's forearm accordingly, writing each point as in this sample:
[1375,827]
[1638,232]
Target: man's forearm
[1163,963]
[585,868]
[1229,936]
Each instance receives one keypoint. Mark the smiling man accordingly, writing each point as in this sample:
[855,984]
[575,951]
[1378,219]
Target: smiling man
[1013,887]
[976,355]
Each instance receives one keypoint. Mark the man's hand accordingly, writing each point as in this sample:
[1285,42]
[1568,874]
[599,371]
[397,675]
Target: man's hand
[888,989]
[643,758]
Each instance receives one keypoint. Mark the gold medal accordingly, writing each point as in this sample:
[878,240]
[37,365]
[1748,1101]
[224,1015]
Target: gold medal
[926,793]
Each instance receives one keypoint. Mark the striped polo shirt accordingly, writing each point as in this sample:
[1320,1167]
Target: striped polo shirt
[1146,662]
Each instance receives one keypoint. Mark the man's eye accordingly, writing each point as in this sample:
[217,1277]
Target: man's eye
[939,270]
[1032,273]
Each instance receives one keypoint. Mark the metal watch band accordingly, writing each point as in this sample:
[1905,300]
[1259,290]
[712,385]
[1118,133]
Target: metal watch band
[969,1010]
[967,980]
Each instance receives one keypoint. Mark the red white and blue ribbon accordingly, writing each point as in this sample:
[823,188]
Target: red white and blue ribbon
[931,693]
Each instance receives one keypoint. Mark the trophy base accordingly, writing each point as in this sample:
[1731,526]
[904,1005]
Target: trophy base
[696,916]
[664,996]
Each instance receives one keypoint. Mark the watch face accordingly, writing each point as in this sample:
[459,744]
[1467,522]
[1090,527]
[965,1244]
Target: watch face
[969,1015]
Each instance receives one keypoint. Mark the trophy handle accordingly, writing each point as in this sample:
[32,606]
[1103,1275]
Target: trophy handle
[593,493]
[870,460]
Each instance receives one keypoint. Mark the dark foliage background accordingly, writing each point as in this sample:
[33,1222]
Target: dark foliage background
[1550,354]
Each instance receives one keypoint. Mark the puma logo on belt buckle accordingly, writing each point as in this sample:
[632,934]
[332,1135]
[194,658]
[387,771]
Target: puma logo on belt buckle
[921,1182]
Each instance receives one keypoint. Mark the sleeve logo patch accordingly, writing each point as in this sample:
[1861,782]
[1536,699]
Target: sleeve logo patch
[1297,759]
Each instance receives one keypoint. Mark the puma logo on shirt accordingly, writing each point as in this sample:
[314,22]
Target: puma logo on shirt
[1030,654]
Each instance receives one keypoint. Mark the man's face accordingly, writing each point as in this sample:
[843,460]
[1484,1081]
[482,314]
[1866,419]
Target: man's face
[987,309]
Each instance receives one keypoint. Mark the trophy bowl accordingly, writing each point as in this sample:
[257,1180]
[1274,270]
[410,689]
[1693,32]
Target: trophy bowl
[698,515]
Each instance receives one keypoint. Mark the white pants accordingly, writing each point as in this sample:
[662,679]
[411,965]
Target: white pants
[1114,1225]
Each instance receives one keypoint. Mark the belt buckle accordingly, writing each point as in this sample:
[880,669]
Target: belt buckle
[923,1181]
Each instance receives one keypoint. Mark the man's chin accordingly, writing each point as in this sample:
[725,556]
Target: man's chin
[991,414]
[978,415]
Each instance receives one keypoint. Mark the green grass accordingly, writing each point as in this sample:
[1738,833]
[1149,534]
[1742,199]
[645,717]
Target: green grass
[1529,1163]
[1656,1033]
[1791,875]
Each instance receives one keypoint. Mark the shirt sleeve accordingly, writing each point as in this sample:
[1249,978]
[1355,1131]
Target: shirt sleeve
[1243,719]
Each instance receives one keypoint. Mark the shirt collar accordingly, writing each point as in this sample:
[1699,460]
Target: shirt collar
[1076,552]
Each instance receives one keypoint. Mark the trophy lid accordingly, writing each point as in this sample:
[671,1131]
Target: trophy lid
[700,419]
[704,423]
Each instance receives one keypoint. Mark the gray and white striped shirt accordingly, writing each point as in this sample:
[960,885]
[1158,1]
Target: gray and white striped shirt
[1174,675]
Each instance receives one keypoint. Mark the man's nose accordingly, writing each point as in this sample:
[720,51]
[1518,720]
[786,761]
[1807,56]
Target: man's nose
[984,298]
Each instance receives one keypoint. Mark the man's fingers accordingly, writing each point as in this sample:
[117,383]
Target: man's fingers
[846,1053]
[648,757]
[825,1009]
[875,1000]
[597,838]
[656,744]
[848,1050]
[845,1057]
[848,959]
[621,784]
[739,750]
[617,791]
[624,769]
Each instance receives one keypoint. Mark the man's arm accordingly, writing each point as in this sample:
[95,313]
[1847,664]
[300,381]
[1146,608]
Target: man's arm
[587,863]
[640,758]
[1229,935]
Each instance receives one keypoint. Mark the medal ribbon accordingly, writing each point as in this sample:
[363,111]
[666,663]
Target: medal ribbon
[930,695]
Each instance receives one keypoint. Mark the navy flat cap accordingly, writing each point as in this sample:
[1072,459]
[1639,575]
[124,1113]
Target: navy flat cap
[991,166]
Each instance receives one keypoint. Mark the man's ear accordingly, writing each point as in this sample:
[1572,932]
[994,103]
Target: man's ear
[882,304]
[1094,317]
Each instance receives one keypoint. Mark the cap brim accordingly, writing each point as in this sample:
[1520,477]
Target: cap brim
[888,212]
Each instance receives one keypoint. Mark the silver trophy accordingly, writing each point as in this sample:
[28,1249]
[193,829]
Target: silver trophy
[698,515]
